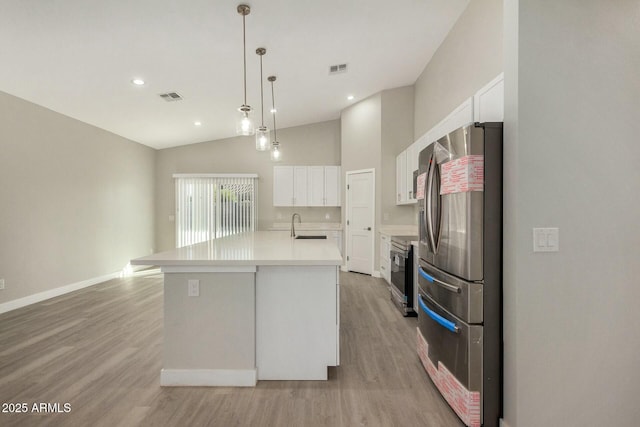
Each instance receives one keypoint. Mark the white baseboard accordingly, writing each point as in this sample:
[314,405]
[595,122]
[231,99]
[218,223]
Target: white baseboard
[56,292]
[343,268]
[208,377]
[376,273]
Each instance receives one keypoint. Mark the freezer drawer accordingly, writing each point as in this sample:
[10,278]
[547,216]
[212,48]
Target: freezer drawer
[459,297]
[452,342]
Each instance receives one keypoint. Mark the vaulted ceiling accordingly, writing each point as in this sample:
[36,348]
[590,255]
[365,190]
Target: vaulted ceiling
[79,57]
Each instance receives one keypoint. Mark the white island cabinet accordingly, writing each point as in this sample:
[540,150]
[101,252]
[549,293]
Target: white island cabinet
[248,307]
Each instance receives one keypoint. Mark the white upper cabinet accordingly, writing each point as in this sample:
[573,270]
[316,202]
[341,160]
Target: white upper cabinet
[315,185]
[489,102]
[401,178]
[412,164]
[487,105]
[306,186]
[289,186]
[300,186]
[283,186]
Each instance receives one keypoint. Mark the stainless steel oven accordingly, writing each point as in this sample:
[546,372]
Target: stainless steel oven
[402,280]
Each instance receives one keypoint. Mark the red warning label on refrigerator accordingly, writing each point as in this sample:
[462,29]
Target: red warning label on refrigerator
[462,174]
[464,402]
[420,186]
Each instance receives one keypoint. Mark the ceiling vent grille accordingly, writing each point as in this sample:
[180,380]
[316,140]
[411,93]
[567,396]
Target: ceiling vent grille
[171,96]
[339,68]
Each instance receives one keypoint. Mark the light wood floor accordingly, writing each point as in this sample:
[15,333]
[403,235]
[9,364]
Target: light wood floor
[99,349]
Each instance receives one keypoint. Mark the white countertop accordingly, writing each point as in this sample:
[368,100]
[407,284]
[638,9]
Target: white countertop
[249,249]
[307,226]
[399,230]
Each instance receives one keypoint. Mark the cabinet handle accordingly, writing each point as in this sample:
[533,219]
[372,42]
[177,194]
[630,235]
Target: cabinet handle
[382,266]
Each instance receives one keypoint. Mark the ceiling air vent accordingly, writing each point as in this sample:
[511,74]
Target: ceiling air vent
[340,68]
[171,96]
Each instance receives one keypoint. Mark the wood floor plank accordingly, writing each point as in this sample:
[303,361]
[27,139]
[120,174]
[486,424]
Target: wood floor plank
[100,350]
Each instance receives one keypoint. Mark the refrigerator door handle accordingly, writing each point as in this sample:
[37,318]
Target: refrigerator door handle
[428,216]
[452,288]
[447,324]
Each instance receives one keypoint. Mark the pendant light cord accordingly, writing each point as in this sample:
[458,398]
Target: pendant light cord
[261,92]
[244,49]
[273,102]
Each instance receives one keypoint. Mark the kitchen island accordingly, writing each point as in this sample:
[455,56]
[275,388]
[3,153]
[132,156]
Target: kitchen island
[248,307]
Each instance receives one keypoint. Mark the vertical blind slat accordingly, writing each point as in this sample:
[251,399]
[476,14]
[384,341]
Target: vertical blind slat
[212,207]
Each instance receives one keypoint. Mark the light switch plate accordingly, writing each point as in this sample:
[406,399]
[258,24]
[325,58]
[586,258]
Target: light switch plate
[546,240]
[194,288]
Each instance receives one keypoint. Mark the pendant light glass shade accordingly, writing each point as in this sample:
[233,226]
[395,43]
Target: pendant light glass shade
[262,133]
[262,138]
[276,154]
[244,124]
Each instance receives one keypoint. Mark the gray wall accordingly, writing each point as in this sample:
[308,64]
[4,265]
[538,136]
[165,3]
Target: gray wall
[397,135]
[468,58]
[572,91]
[361,126]
[374,131]
[77,201]
[315,144]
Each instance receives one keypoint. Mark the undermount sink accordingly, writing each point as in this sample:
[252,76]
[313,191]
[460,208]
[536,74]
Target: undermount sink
[311,237]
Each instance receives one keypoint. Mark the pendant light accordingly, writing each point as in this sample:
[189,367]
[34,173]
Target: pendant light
[262,133]
[244,126]
[276,154]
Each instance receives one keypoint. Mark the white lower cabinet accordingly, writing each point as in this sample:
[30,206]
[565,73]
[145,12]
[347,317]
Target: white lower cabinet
[297,322]
[385,259]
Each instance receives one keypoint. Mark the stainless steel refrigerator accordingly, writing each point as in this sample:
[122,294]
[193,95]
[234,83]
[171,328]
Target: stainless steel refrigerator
[460,274]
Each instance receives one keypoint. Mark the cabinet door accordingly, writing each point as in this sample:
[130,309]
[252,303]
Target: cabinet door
[300,186]
[332,185]
[336,236]
[315,185]
[385,259]
[412,165]
[401,180]
[489,101]
[283,186]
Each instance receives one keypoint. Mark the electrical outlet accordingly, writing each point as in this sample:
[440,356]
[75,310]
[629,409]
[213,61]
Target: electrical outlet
[194,288]
[1,284]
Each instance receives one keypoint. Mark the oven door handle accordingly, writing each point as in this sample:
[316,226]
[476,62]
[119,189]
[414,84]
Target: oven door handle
[451,288]
[447,324]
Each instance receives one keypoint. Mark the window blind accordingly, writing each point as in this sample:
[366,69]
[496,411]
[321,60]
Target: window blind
[209,206]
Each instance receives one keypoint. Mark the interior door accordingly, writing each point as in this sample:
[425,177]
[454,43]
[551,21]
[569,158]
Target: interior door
[360,221]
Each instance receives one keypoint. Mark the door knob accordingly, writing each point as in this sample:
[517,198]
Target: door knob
[367,229]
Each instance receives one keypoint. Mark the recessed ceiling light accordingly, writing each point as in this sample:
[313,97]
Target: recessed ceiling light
[197,123]
[137,82]
[350,97]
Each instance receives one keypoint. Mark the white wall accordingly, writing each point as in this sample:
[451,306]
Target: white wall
[571,151]
[76,201]
[314,144]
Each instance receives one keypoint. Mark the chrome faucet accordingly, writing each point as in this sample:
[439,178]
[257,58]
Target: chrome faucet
[293,228]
